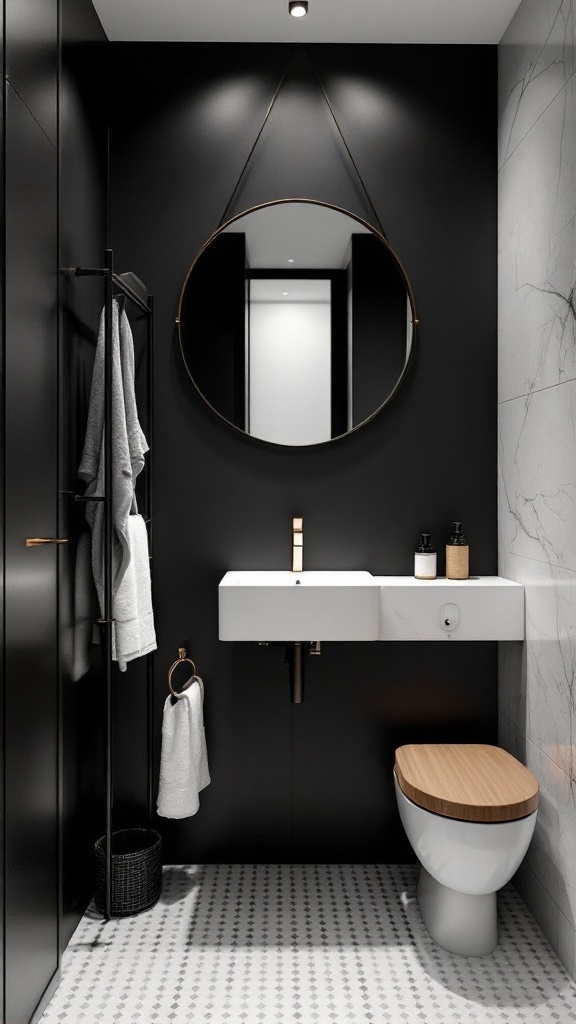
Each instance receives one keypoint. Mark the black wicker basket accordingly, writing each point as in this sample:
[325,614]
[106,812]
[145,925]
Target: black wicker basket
[136,871]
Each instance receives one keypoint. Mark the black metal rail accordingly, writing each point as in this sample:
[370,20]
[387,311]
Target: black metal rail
[113,283]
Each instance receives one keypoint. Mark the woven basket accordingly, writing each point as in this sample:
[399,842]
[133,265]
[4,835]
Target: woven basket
[136,871]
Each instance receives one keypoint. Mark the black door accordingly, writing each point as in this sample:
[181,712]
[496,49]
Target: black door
[31,681]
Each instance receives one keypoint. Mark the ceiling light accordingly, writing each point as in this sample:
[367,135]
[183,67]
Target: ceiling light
[284,293]
[298,8]
[290,261]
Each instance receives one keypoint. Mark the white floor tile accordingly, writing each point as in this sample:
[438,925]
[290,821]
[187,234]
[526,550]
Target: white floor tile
[284,944]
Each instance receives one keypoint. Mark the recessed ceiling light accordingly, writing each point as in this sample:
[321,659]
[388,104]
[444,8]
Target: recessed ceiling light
[290,261]
[284,293]
[298,8]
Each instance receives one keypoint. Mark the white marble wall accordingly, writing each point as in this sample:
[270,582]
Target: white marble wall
[537,437]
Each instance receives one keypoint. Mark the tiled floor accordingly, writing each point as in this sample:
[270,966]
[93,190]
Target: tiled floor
[336,944]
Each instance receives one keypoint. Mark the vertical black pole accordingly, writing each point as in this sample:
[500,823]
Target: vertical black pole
[297,673]
[149,491]
[108,539]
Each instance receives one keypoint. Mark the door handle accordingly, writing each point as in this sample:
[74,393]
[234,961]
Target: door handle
[34,542]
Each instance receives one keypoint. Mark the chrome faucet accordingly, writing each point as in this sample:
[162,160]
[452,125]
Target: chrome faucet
[297,543]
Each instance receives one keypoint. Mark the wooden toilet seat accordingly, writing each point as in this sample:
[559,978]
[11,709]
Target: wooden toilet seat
[468,781]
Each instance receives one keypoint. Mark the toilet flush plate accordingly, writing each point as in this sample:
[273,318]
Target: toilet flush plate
[449,617]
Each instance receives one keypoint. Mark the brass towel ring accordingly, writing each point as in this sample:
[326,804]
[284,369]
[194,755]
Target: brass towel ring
[182,657]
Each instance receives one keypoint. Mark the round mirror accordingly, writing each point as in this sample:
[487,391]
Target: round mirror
[296,322]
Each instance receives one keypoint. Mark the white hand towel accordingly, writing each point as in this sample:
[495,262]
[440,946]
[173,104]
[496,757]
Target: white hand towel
[134,633]
[184,761]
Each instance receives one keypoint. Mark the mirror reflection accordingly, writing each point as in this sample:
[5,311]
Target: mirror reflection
[295,322]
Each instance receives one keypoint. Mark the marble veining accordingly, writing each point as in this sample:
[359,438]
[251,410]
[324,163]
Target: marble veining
[537,690]
[537,255]
[551,855]
[537,438]
[536,61]
[537,476]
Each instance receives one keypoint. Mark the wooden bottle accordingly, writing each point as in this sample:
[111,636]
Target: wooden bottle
[457,564]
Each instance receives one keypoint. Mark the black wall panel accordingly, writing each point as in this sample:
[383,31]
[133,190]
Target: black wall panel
[53,701]
[32,57]
[52,736]
[31,698]
[314,782]
[82,240]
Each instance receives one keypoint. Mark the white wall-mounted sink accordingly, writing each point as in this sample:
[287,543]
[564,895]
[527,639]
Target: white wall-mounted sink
[289,606]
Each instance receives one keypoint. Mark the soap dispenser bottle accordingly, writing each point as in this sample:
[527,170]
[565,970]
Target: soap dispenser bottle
[425,559]
[457,554]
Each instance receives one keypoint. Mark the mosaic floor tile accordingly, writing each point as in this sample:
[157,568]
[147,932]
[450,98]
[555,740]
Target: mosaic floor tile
[302,944]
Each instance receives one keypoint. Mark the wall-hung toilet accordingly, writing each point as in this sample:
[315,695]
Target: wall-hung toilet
[469,811]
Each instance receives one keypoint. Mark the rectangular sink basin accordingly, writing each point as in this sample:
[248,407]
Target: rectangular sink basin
[287,606]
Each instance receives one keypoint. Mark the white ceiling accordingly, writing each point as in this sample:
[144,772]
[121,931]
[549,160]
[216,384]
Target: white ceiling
[327,21]
[292,236]
[290,290]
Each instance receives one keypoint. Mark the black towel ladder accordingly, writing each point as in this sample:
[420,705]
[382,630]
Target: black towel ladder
[125,284]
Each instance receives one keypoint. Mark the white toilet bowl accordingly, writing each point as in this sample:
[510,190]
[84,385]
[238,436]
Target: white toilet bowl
[463,863]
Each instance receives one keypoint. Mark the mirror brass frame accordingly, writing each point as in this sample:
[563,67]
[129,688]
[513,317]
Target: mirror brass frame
[382,238]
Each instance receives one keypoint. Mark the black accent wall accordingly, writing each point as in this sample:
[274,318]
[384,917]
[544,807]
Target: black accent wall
[313,782]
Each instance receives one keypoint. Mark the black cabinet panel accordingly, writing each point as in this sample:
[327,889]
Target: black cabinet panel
[31,761]
[32,57]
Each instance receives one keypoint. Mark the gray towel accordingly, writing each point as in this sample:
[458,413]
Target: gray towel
[128,446]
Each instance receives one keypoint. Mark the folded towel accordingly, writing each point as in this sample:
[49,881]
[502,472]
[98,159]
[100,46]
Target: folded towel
[134,633]
[183,762]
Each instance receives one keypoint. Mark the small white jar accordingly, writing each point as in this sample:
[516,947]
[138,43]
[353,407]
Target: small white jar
[425,559]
